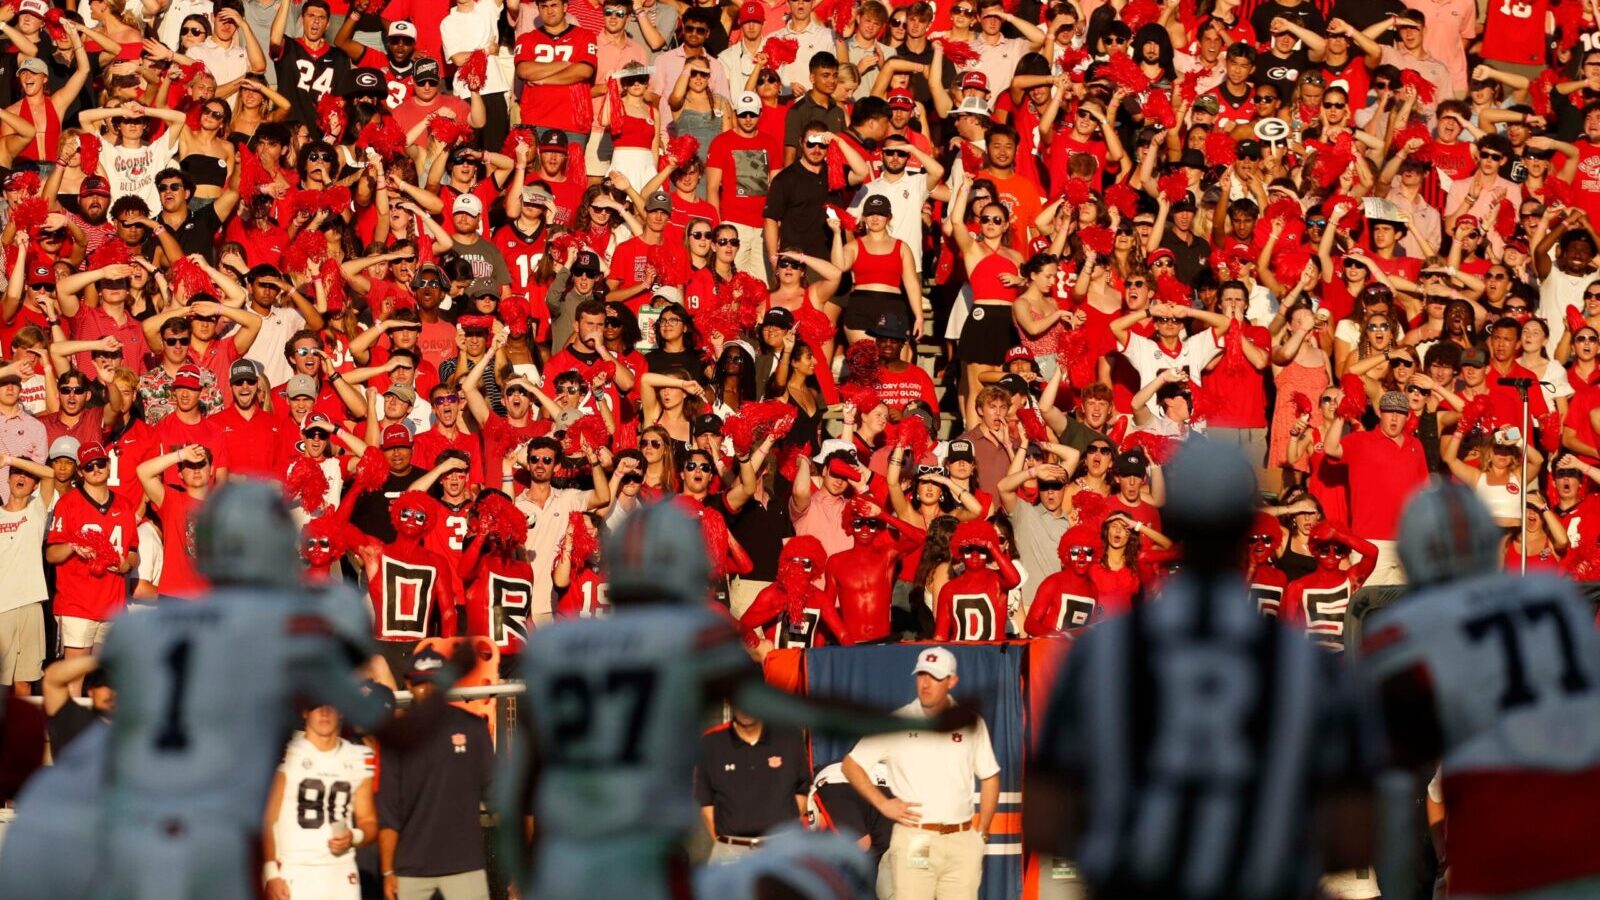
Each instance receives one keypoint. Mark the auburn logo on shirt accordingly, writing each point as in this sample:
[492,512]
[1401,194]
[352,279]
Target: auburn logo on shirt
[955,736]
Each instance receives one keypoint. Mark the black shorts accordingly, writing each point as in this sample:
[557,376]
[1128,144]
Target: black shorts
[988,334]
[865,308]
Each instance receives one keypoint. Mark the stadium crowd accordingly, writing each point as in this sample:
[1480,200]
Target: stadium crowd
[908,304]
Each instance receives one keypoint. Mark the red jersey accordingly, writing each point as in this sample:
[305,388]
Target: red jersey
[522,254]
[1514,32]
[80,591]
[566,106]
[409,584]
[585,597]
[498,601]
[178,575]
[971,607]
[1233,110]
[1587,179]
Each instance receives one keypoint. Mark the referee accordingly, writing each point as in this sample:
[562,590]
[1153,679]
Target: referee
[750,779]
[1190,744]
[936,850]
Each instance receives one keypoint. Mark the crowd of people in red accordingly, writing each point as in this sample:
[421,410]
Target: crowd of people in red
[907,303]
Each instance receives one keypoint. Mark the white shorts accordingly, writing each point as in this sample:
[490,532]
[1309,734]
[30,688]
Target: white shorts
[330,882]
[22,644]
[81,634]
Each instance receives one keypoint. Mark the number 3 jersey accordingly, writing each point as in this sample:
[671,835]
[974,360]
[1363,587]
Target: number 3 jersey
[1499,677]
[319,788]
[617,705]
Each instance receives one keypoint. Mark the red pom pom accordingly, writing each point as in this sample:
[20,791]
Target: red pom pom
[1091,509]
[1413,78]
[1123,198]
[332,278]
[88,152]
[103,555]
[30,214]
[1077,191]
[499,516]
[1033,425]
[588,434]
[519,135]
[305,252]
[781,51]
[188,279]
[1539,92]
[331,116]
[1289,261]
[306,485]
[1171,290]
[515,312]
[475,71]
[746,292]
[370,472]
[52,26]
[680,150]
[382,136]
[1097,238]
[1139,13]
[1159,448]
[253,175]
[1505,219]
[1330,165]
[1189,87]
[1072,61]
[583,542]
[755,421]
[812,326]
[335,199]
[847,222]
[1354,404]
[1158,111]
[861,363]
[1582,563]
[1300,403]
[961,54]
[110,253]
[26,183]
[449,132]
[1220,149]
[1126,74]
[1475,417]
[912,433]
[1173,186]
[1416,131]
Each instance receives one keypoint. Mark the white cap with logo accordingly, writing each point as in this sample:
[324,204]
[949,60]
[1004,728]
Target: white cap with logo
[747,102]
[936,661]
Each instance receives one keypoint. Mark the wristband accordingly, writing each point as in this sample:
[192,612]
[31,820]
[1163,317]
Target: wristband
[269,871]
[357,836]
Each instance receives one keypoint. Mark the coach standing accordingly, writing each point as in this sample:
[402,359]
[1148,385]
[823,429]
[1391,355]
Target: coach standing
[751,778]
[936,852]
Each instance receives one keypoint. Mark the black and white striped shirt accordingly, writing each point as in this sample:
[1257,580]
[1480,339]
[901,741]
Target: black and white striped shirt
[1197,735]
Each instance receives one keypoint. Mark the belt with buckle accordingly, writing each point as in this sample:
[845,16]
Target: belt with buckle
[947,829]
[740,841]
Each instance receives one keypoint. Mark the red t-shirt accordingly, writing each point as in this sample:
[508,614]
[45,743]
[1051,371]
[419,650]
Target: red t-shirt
[684,211]
[637,262]
[1383,475]
[178,575]
[80,592]
[1235,392]
[899,388]
[747,165]
[429,444]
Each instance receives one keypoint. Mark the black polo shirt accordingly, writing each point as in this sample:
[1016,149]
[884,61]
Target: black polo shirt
[805,111]
[430,791]
[197,234]
[370,513]
[796,201]
[751,788]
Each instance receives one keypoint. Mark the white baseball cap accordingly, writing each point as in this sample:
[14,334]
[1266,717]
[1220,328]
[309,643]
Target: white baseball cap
[747,102]
[402,28]
[973,106]
[936,661]
[469,204]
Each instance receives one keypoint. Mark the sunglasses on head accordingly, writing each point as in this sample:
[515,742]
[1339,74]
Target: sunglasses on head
[616,12]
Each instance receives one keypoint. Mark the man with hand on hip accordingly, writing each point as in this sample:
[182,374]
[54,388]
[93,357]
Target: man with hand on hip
[936,851]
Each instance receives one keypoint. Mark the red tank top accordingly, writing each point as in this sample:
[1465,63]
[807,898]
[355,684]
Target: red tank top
[883,268]
[636,132]
[49,130]
[985,278]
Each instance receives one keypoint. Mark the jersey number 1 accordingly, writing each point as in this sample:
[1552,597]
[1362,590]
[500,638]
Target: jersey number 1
[174,737]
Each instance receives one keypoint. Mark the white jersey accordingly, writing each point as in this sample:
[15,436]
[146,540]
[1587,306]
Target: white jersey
[319,789]
[206,695]
[618,705]
[1499,677]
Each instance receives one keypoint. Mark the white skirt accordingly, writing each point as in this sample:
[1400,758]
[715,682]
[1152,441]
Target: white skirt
[637,164]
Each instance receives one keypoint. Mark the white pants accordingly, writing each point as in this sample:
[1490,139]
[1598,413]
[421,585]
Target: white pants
[328,882]
[932,866]
[752,258]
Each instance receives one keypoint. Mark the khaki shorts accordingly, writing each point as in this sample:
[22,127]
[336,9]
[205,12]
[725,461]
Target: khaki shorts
[81,634]
[22,644]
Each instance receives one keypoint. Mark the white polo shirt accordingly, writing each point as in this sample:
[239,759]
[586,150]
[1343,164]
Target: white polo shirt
[906,196]
[1149,358]
[939,771]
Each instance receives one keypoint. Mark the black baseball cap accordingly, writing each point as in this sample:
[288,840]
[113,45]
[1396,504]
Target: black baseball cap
[1131,462]
[778,317]
[706,423]
[553,139]
[426,69]
[369,81]
[587,261]
[891,327]
[960,451]
[1013,383]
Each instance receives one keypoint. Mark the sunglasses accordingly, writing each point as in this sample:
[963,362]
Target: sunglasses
[1329,104]
[177,342]
[705,467]
[1331,550]
[194,31]
[1138,282]
[699,73]
[747,115]
[1382,86]
[1516,309]
[615,12]
[1419,391]
[96,466]
[819,143]
[1378,326]
[897,23]
[447,398]
[132,224]
[960,11]
[769,79]
[700,235]
[872,524]
[427,82]
[1098,450]
[1166,320]
[316,543]
[413,515]
[786,263]
[992,220]
[210,113]
[1115,39]
[73,391]
[1317,223]
[1265,98]
[613,322]
[1080,553]
[1262,539]
[517,391]
[304,351]
[903,154]
[1580,339]
[319,156]
[930,470]
[653,443]
[1406,363]
[542,460]
[569,389]
[696,29]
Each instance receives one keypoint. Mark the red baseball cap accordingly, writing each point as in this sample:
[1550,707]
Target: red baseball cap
[395,437]
[188,377]
[1016,353]
[902,99]
[752,11]
[90,453]
[975,81]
